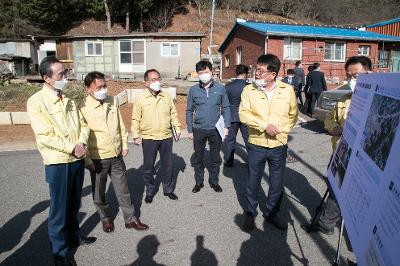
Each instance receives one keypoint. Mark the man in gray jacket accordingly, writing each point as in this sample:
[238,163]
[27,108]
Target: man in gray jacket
[206,102]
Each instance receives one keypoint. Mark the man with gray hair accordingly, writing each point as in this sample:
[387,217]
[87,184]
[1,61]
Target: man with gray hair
[61,137]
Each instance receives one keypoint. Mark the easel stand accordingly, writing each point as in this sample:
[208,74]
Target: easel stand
[314,221]
[336,262]
[318,210]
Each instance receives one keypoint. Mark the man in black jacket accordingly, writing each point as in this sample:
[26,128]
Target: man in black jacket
[234,91]
[299,80]
[317,85]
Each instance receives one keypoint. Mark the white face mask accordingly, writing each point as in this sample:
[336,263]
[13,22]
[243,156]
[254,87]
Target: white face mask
[205,78]
[100,94]
[60,84]
[352,84]
[155,86]
[259,83]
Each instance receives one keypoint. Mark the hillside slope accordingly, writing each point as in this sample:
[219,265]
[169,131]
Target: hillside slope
[223,23]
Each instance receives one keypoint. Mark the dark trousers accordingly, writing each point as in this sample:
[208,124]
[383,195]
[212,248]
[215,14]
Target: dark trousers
[65,185]
[150,149]
[313,100]
[298,93]
[330,213]
[200,137]
[115,167]
[276,158]
[230,140]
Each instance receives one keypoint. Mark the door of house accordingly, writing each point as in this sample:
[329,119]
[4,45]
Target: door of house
[132,56]
[64,54]
[395,61]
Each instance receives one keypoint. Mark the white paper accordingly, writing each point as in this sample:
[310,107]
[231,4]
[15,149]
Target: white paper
[365,172]
[220,125]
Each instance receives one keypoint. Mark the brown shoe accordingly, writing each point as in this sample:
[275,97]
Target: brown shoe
[137,224]
[248,224]
[108,225]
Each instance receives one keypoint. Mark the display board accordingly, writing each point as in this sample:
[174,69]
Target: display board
[365,170]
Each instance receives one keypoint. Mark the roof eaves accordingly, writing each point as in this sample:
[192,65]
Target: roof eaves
[15,40]
[383,23]
[167,34]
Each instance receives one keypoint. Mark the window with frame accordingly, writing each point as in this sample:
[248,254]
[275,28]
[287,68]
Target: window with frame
[292,48]
[131,52]
[364,50]
[170,49]
[227,60]
[94,48]
[335,51]
[238,55]
[383,59]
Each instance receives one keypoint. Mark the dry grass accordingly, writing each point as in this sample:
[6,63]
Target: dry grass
[13,97]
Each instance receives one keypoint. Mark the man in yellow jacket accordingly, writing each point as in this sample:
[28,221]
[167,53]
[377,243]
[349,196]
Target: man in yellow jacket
[61,137]
[334,123]
[269,109]
[107,145]
[154,117]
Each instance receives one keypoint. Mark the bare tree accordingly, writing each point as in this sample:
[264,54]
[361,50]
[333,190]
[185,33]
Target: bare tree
[108,15]
[202,5]
[160,18]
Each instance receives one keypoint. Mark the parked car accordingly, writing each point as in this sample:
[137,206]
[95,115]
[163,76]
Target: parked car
[328,99]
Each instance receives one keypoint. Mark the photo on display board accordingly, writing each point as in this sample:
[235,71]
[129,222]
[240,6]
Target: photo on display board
[380,128]
[341,161]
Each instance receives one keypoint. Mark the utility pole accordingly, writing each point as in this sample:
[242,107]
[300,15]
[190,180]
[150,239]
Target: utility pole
[211,31]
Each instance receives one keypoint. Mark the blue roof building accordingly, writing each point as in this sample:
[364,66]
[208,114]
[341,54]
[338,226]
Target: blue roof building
[328,45]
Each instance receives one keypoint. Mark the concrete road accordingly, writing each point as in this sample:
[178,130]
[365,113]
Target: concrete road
[198,229]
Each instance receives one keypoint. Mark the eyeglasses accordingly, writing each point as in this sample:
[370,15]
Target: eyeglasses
[354,75]
[262,72]
[62,74]
[155,79]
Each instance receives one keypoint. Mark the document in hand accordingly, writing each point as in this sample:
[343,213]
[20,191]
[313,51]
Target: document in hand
[220,125]
[174,133]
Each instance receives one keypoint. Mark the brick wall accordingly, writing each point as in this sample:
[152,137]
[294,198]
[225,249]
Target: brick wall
[252,47]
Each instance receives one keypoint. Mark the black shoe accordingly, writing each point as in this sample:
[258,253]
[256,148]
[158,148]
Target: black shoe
[228,164]
[148,199]
[216,187]
[83,241]
[317,228]
[248,224]
[197,188]
[61,261]
[171,195]
[275,221]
